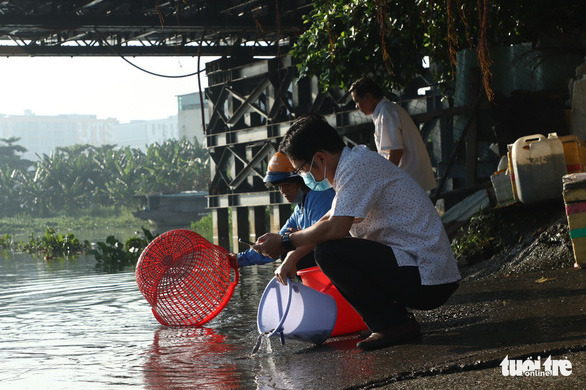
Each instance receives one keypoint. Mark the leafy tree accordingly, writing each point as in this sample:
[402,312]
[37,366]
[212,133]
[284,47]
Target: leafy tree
[13,172]
[175,166]
[9,155]
[69,178]
[122,170]
[83,176]
[347,39]
[387,39]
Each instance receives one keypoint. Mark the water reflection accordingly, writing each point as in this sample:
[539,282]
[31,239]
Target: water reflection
[65,325]
[62,325]
[191,358]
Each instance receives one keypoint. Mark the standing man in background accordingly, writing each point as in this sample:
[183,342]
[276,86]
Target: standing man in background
[396,136]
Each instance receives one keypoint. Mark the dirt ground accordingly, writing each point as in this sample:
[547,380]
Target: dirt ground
[530,238]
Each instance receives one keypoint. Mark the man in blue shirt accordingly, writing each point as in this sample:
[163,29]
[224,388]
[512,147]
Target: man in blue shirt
[310,207]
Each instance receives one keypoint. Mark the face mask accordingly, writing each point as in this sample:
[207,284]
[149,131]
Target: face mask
[312,183]
[298,197]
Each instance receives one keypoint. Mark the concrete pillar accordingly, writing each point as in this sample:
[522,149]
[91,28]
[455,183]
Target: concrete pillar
[279,215]
[258,226]
[240,227]
[221,228]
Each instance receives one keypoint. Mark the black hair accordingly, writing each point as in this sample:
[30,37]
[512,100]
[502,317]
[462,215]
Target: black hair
[309,134]
[365,85]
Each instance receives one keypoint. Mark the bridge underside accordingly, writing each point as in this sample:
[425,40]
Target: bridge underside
[148,27]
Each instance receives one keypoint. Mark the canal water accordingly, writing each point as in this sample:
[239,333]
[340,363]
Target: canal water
[65,324]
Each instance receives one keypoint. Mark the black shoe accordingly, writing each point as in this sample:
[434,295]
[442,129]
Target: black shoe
[365,333]
[393,335]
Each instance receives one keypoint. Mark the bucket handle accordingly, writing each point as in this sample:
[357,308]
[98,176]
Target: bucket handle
[279,327]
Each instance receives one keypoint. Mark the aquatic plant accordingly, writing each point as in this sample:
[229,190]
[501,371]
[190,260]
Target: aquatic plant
[53,243]
[5,241]
[113,255]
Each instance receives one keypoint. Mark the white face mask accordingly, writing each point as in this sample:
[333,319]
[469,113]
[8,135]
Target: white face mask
[298,197]
[313,184]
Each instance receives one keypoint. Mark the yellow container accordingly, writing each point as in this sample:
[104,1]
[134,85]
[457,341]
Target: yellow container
[574,152]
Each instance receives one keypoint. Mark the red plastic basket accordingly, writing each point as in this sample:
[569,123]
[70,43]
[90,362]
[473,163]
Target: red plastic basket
[186,279]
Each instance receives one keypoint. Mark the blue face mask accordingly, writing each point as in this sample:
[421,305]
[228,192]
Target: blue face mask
[310,181]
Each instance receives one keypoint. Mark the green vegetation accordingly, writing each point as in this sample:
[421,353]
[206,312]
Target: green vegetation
[204,227]
[96,218]
[112,255]
[5,241]
[480,239]
[53,244]
[87,178]
[387,39]
[86,187]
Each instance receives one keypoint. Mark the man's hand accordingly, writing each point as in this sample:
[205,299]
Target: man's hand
[233,260]
[395,156]
[288,269]
[269,244]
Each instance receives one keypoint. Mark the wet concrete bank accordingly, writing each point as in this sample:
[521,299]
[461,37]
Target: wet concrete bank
[492,378]
[529,316]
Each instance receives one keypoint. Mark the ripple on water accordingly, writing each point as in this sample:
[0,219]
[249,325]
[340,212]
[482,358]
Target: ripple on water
[64,325]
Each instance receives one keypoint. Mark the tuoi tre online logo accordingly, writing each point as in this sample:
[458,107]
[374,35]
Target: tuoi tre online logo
[530,367]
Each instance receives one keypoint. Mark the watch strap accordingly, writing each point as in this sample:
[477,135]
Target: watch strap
[286,242]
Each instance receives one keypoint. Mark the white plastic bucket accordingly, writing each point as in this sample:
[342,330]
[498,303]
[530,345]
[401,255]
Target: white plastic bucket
[296,312]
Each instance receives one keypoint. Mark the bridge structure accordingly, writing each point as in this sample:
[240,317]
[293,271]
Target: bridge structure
[253,90]
[149,27]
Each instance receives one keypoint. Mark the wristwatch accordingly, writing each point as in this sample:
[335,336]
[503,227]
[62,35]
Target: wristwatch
[286,242]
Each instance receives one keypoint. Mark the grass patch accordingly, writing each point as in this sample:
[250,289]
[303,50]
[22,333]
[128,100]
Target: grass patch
[204,227]
[94,219]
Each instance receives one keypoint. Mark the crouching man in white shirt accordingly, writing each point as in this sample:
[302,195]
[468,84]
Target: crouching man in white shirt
[398,255]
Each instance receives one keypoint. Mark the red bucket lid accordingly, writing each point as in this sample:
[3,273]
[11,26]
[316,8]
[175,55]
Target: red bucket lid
[186,279]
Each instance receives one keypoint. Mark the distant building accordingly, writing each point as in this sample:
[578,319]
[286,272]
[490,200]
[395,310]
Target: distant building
[43,134]
[139,134]
[189,117]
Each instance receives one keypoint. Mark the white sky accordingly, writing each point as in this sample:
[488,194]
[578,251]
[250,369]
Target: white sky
[107,87]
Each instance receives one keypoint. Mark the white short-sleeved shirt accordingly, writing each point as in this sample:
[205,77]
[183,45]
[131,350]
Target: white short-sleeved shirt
[394,129]
[389,207]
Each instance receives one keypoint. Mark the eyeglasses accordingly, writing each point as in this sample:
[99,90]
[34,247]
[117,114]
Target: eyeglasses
[297,171]
[308,172]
